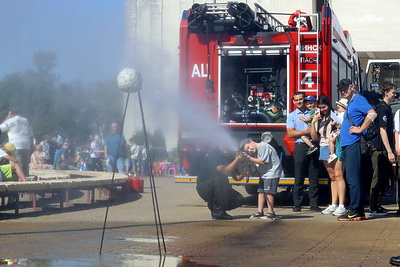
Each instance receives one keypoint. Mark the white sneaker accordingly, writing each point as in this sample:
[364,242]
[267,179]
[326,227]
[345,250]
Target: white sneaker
[332,158]
[329,210]
[339,211]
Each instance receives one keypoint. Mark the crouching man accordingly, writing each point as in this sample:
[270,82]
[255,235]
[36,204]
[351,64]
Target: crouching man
[213,184]
[11,171]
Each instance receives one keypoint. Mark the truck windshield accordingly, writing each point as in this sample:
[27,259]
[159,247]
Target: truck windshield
[378,72]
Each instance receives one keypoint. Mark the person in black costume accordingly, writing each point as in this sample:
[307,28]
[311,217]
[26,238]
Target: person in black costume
[213,184]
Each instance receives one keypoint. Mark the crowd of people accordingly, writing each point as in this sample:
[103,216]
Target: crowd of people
[340,137]
[323,137]
[57,152]
[114,154]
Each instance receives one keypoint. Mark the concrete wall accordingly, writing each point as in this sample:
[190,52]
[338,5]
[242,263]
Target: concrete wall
[372,25]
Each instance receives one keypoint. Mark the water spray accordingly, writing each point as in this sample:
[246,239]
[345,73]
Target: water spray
[130,81]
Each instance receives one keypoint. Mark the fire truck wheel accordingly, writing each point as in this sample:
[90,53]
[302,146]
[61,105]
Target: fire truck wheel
[251,189]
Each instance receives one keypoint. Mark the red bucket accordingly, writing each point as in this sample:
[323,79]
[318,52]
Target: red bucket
[136,185]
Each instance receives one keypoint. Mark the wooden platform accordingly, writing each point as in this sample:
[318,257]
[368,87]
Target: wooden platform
[52,181]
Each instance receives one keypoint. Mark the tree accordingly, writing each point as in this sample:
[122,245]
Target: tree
[159,145]
[139,137]
[44,61]
[158,150]
[75,109]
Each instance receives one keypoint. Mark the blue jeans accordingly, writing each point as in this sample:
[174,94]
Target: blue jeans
[352,159]
[134,164]
[120,165]
[145,167]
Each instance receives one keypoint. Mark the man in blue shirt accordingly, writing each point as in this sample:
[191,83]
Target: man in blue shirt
[358,116]
[303,164]
[115,149]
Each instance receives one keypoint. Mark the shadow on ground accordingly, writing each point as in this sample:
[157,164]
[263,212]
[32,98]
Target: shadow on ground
[50,203]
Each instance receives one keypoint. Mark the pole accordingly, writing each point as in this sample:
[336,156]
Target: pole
[156,210]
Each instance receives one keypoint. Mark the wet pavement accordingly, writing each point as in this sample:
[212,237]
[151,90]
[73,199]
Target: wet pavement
[296,239]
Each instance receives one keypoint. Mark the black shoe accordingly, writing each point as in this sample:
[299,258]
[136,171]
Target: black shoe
[398,212]
[352,216]
[221,215]
[316,209]
[257,215]
[383,209]
[312,150]
[31,178]
[297,208]
[271,216]
[379,212]
[395,260]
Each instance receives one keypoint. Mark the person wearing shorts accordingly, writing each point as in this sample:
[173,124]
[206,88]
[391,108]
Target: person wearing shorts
[270,169]
[7,173]
[10,172]
[322,128]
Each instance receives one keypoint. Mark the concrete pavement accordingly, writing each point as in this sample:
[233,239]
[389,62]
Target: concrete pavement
[297,239]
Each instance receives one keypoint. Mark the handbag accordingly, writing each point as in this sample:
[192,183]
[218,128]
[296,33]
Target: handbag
[366,142]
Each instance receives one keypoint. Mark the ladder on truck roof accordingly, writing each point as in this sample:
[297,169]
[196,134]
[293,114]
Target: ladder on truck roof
[308,79]
[233,16]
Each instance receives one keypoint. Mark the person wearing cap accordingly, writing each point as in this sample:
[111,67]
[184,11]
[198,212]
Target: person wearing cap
[20,134]
[383,154]
[269,169]
[357,118]
[334,141]
[341,108]
[13,171]
[213,185]
[310,104]
[304,165]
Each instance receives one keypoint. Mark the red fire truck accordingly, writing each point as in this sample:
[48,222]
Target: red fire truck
[243,65]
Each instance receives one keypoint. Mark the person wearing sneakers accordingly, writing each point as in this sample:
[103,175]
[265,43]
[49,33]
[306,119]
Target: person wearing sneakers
[310,104]
[270,170]
[303,164]
[321,129]
[382,156]
[334,141]
[359,116]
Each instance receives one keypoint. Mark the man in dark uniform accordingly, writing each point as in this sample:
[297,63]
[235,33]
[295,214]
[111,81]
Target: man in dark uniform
[383,155]
[213,184]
